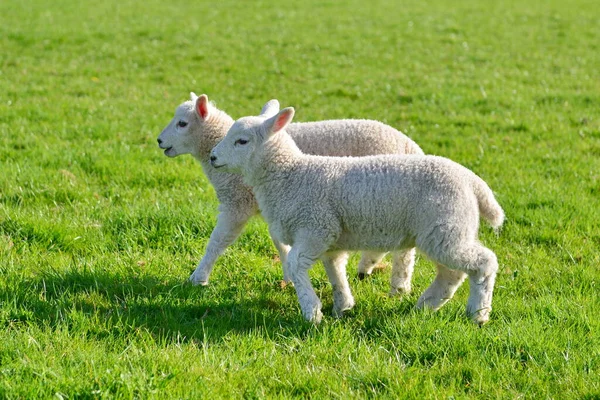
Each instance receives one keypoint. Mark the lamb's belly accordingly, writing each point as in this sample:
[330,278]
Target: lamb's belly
[375,242]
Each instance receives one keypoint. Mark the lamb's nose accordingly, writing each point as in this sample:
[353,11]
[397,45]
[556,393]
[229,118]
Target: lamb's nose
[159,140]
[213,158]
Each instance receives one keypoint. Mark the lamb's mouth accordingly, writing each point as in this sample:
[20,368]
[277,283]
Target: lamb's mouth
[167,149]
[218,166]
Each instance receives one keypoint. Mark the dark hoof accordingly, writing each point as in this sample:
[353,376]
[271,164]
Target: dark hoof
[361,276]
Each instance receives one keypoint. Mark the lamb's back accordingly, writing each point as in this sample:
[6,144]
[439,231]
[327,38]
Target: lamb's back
[393,196]
[351,137]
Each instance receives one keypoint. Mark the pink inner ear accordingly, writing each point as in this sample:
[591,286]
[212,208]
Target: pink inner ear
[280,122]
[202,105]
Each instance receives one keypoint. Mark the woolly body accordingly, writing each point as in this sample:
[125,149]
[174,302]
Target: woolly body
[375,203]
[322,206]
[206,126]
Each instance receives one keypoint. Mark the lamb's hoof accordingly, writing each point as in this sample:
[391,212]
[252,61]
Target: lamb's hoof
[431,302]
[197,282]
[315,316]
[338,312]
[480,317]
[361,275]
[421,303]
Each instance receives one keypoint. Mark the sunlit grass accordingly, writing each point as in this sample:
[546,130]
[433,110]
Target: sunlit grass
[99,230]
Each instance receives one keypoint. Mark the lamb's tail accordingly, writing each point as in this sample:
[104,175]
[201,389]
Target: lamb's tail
[488,206]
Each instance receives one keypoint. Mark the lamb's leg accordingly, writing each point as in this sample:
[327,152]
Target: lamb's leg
[481,264]
[283,251]
[368,262]
[300,259]
[442,288]
[403,263]
[482,280]
[335,266]
[228,228]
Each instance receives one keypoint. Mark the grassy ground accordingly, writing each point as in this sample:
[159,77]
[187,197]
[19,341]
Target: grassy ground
[98,230]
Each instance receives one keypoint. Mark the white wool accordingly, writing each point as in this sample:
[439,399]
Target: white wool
[324,206]
[198,126]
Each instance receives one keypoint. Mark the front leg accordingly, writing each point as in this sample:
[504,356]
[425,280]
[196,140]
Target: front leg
[307,248]
[229,226]
[298,266]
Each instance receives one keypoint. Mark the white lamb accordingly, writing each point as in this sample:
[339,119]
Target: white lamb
[198,126]
[324,206]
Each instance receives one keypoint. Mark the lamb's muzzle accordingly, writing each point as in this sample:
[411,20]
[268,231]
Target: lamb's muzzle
[213,161]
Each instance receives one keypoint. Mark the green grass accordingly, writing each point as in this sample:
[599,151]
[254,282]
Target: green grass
[99,231]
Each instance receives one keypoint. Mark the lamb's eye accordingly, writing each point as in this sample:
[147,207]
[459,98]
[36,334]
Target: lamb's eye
[241,141]
[182,124]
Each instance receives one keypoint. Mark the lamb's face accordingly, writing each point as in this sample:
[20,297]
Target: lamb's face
[234,153]
[243,147]
[183,133]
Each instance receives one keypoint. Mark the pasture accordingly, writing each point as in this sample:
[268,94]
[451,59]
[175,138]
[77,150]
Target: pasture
[99,230]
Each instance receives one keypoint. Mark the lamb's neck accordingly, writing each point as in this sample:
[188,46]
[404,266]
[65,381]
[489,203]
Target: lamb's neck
[214,130]
[274,167]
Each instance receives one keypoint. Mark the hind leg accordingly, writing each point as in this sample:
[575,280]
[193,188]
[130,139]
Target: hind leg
[403,263]
[442,288]
[368,262]
[283,251]
[481,265]
[482,283]
[335,266]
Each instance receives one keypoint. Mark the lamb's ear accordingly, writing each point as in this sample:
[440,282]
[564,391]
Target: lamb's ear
[279,121]
[269,109]
[193,96]
[202,106]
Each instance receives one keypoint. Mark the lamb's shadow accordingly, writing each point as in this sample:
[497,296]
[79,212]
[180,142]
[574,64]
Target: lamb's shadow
[111,303]
[115,304]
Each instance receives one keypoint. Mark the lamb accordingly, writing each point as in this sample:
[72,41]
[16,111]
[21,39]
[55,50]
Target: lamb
[198,126]
[325,206]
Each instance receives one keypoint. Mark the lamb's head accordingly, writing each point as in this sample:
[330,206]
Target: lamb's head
[185,132]
[245,140]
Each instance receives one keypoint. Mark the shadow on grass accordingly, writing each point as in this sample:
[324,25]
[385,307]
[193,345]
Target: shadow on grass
[113,304]
[106,304]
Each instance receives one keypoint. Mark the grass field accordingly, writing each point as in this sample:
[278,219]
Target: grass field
[99,230]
